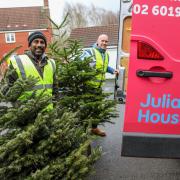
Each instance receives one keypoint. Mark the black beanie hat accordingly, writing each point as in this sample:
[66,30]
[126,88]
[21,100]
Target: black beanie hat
[35,35]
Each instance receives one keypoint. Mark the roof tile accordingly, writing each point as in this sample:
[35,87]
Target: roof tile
[23,18]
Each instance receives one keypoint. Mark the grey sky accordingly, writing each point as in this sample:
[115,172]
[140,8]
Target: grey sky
[56,6]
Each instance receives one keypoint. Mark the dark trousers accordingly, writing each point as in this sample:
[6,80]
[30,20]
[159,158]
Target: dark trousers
[96,91]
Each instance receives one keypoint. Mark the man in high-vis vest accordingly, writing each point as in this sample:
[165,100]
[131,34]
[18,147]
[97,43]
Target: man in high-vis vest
[100,62]
[35,63]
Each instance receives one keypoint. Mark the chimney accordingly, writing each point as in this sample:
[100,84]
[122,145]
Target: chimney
[46,4]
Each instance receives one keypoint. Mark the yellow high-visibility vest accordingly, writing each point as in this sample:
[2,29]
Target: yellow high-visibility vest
[25,68]
[101,65]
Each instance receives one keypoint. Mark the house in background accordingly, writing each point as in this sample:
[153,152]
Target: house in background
[89,35]
[17,23]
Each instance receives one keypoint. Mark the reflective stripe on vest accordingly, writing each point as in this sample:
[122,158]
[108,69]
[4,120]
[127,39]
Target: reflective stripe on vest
[101,65]
[25,68]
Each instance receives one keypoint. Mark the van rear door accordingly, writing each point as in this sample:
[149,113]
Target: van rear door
[152,114]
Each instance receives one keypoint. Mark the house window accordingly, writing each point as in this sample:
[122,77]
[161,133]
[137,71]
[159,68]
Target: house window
[10,37]
[31,32]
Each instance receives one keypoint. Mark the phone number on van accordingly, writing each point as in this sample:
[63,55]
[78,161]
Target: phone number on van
[156,10]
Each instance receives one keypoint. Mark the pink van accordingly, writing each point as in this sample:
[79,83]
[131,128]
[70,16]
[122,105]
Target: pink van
[152,115]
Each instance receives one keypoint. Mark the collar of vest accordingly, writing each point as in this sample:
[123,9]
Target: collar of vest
[99,49]
[44,58]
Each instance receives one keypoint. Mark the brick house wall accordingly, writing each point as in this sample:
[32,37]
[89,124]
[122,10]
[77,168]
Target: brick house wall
[21,39]
[21,21]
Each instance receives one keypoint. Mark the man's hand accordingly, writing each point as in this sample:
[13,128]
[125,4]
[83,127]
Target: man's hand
[116,72]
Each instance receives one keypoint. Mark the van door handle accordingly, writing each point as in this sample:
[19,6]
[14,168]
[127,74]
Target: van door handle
[145,73]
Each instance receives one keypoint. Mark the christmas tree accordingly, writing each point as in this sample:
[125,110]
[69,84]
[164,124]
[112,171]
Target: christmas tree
[39,144]
[35,144]
[73,74]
